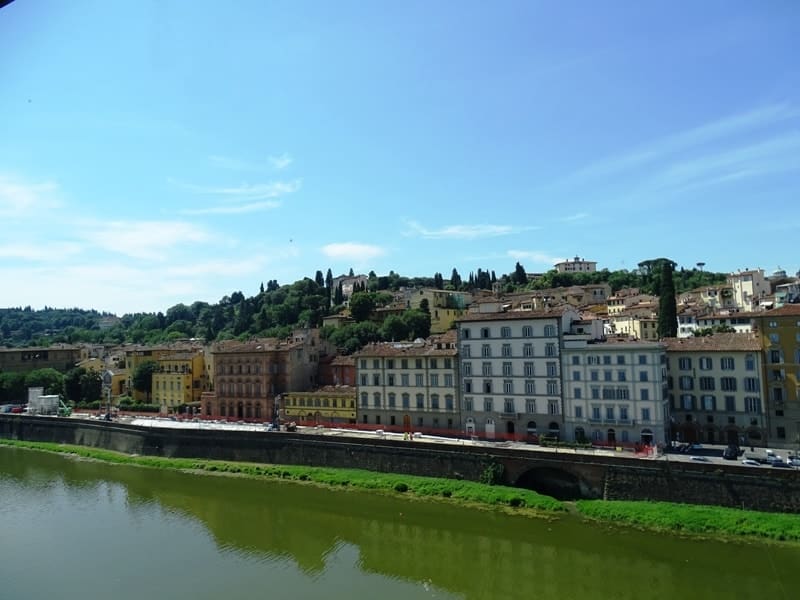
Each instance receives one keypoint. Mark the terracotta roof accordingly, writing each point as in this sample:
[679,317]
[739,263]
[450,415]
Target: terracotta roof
[327,389]
[787,310]
[405,349]
[512,315]
[719,342]
[346,361]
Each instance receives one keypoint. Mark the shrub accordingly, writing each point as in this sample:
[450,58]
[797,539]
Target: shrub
[400,487]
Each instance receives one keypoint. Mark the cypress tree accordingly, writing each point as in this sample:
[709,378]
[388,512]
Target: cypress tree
[667,306]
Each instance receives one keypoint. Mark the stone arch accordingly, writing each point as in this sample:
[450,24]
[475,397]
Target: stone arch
[552,481]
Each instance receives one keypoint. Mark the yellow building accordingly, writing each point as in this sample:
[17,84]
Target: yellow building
[779,330]
[329,404]
[445,306]
[179,380]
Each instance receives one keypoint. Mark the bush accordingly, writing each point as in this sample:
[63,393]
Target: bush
[400,487]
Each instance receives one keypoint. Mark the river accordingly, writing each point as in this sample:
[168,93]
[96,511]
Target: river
[74,529]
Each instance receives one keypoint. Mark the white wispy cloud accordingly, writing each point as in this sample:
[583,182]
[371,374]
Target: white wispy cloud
[272,163]
[280,162]
[576,217]
[41,251]
[244,191]
[149,240]
[535,256]
[19,197]
[352,251]
[233,209]
[462,232]
[715,131]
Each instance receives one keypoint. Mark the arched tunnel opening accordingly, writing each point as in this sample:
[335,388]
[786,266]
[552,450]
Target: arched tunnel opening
[560,484]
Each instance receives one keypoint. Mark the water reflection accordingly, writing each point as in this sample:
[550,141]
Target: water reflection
[349,544]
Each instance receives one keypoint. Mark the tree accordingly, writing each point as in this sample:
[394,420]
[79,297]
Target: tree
[361,305]
[72,384]
[418,323]
[320,279]
[351,273]
[394,328]
[424,306]
[667,305]
[91,386]
[520,276]
[455,279]
[338,295]
[51,380]
[143,377]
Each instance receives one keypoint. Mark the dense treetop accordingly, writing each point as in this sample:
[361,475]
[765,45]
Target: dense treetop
[276,309]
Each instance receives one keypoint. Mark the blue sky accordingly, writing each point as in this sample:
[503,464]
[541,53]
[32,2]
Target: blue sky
[157,152]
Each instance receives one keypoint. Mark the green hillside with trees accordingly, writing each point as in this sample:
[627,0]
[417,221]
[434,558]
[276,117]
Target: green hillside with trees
[276,309]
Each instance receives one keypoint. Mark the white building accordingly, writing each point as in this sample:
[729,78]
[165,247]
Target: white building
[511,372]
[576,265]
[614,391]
[749,287]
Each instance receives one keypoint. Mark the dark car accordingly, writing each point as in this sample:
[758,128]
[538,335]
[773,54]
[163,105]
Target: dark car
[730,453]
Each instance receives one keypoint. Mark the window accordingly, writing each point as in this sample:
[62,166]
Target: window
[620,375]
[506,350]
[505,332]
[685,363]
[435,401]
[774,338]
[773,323]
[376,399]
[406,401]
[434,380]
[709,403]
[622,393]
[468,386]
[391,400]
[686,382]
[506,369]
[488,405]
[595,393]
[644,394]
[623,413]
[527,331]
[486,350]
[552,369]
[620,359]
[608,375]
[468,403]
[465,333]
[728,384]
[552,407]
[687,402]
[376,379]
[485,332]
[433,363]
[595,413]
[376,363]
[419,380]
[751,384]
[486,369]
[705,363]
[530,387]
[642,375]
[448,380]
[528,369]
[420,401]
[552,388]
[465,351]
[404,363]
[578,393]
[363,363]
[645,415]
[550,350]
[781,432]
[727,363]
[418,363]
[609,413]
[390,363]
[576,376]
[592,360]
[390,379]
[606,360]
[594,375]
[448,402]
[508,386]
[530,405]
[404,379]
[448,363]
[487,386]
[706,384]
[578,412]
[508,405]
[527,350]
[576,360]
[752,405]
[467,368]
[642,359]
[549,330]
[364,379]
[750,362]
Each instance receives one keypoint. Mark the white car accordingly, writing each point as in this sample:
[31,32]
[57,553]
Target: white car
[750,462]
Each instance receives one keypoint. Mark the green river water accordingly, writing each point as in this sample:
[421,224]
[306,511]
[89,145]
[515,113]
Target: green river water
[73,529]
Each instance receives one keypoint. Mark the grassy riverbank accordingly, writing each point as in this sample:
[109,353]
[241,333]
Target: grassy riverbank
[683,519]
[467,492]
[708,521]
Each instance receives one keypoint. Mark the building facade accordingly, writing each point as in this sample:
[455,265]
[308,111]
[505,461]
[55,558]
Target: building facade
[716,389]
[180,380]
[576,265]
[614,391]
[328,405]
[409,385]
[511,373]
[60,357]
[779,331]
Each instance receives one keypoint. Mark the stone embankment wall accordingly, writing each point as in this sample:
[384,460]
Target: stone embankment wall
[572,475]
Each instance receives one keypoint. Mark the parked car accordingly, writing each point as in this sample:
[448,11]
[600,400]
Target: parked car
[751,462]
[730,453]
[699,458]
